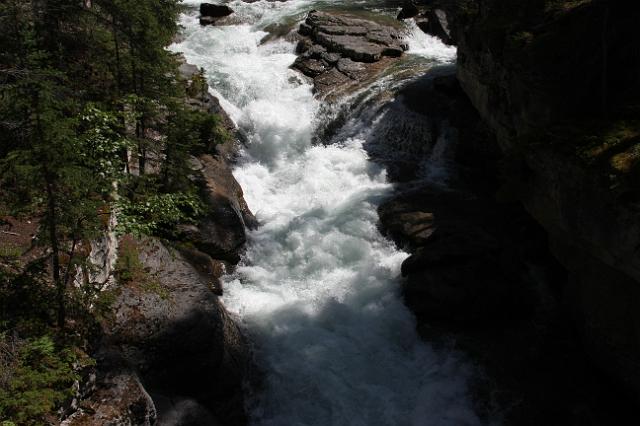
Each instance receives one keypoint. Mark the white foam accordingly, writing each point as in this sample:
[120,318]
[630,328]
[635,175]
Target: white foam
[427,45]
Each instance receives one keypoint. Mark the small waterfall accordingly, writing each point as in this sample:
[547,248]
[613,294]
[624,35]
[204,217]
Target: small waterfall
[318,289]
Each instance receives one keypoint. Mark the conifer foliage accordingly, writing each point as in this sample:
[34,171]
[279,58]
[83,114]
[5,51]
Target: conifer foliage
[92,116]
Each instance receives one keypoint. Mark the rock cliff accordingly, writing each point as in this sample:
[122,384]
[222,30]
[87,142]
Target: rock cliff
[558,84]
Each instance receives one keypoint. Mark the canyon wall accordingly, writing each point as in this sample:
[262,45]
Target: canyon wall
[558,83]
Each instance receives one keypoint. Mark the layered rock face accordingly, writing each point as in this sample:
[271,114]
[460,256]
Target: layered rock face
[340,51]
[558,84]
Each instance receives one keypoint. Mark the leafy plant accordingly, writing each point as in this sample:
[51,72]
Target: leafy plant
[157,212]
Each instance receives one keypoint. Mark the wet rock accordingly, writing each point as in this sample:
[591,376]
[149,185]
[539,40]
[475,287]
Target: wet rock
[465,265]
[436,23]
[215,10]
[221,234]
[340,51]
[352,69]
[409,10]
[310,67]
[211,14]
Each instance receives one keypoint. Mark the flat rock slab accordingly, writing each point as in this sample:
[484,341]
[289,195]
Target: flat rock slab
[340,51]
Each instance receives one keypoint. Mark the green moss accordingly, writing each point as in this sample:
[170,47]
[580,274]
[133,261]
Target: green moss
[10,252]
[131,271]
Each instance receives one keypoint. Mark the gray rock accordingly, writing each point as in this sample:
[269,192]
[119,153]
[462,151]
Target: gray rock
[221,234]
[357,39]
[310,67]
[118,398]
[207,20]
[336,50]
[174,331]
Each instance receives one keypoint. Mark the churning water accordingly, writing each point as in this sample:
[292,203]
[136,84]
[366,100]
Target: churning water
[318,288]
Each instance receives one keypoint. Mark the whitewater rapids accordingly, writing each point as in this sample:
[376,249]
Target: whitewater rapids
[318,289]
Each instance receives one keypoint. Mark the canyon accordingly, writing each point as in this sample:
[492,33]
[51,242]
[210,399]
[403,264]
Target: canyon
[403,231]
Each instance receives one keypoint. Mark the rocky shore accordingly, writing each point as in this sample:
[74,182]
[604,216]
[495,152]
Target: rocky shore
[170,353]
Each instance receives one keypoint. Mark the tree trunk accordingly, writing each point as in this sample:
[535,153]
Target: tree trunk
[55,248]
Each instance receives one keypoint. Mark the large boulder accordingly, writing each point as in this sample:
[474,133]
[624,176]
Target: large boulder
[340,51]
[222,232]
[210,13]
[466,264]
[176,334]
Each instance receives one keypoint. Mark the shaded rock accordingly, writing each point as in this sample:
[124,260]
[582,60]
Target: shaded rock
[436,23]
[409,10]
[174,331]
[207,20]
[215,10]
[221,234]
[465,265]
[422,130]
[118,398]
[566,172]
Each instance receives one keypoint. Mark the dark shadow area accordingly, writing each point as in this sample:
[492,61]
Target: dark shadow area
[481,269]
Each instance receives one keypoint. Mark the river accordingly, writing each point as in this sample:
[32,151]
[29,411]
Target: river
[318,288]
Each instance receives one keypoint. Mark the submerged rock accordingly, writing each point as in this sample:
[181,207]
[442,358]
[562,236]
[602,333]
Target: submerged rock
[211,13]
[339,51]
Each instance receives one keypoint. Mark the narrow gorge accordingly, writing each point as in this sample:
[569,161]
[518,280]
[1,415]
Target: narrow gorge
[420,212]
[352,113]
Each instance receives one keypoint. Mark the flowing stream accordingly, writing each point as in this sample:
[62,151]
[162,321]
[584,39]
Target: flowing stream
[318,289]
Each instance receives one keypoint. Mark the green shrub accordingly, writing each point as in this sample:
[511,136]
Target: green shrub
[37,377]
[157,213]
